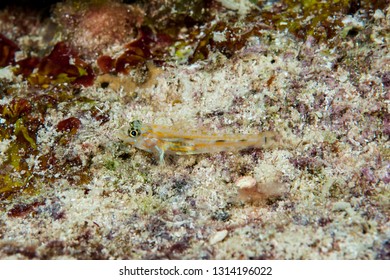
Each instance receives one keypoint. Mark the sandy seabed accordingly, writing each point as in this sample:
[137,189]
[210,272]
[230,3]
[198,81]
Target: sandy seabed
[321,192]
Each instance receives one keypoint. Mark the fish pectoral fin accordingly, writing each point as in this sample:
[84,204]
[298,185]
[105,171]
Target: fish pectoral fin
[160,152]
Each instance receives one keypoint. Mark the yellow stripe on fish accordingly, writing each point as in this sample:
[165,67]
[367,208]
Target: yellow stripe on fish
[163,140]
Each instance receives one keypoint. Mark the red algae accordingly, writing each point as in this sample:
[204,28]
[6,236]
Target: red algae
[147,46]
[7,51]
[61,66]
[106,64]
[21,210]
[71,125]
[57,76]
[26,66]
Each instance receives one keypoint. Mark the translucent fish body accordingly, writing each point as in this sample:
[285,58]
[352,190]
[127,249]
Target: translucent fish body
[162,140]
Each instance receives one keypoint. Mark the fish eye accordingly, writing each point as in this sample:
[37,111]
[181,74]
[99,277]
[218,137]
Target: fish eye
[134,129]
[133,133]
